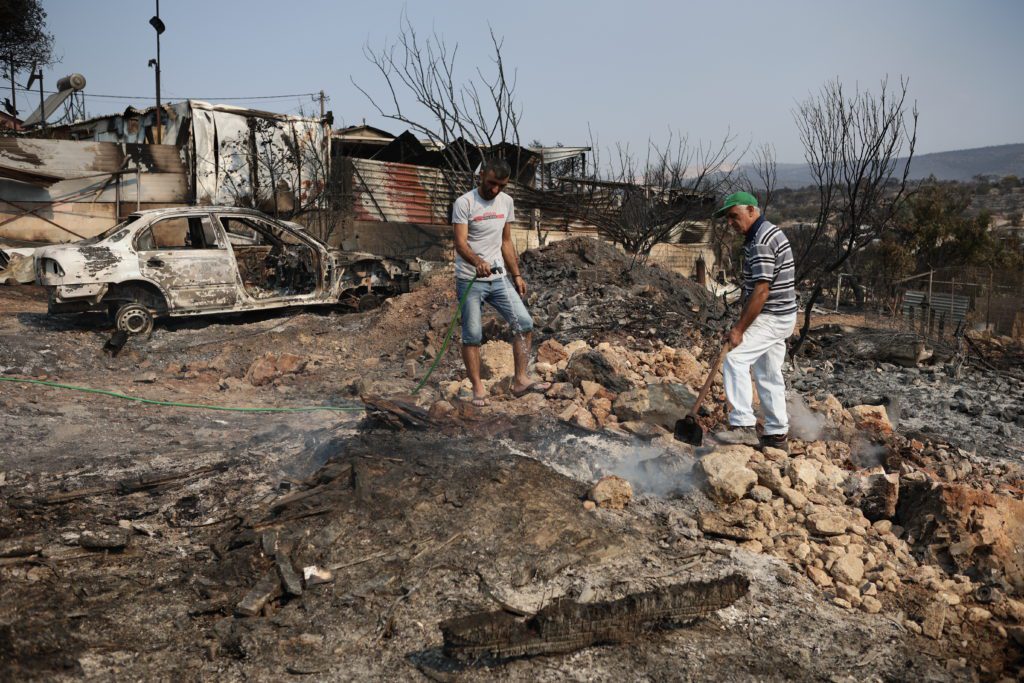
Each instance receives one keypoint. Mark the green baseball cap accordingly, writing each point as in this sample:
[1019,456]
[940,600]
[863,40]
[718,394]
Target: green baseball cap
[736,199]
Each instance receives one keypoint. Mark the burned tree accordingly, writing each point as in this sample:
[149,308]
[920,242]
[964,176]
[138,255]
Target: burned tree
[853,145]
[24,41]
[640,202]
[457,118]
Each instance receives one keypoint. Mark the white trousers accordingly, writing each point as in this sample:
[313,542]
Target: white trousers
[764,350]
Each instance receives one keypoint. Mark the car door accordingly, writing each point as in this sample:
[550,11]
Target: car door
[190,260]
[259,245]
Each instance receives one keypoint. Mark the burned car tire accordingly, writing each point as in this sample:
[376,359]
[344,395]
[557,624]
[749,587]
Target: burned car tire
[134,319]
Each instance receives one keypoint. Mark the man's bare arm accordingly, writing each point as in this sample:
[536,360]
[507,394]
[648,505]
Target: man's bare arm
[508,253]
[483,268]
[751,309]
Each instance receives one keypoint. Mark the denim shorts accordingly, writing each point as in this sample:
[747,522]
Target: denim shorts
[500,294]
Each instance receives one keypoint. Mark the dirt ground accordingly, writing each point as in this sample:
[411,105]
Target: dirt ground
[132,534]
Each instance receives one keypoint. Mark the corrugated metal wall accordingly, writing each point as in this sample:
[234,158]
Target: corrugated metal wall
[397,193]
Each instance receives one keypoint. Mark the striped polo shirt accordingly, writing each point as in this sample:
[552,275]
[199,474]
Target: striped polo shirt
[767,257]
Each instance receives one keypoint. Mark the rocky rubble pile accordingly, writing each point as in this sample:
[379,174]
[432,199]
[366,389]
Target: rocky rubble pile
[977,408]
[943,557]
[587,289]
[605,387]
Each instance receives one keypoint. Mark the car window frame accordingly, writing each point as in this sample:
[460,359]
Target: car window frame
[207,229]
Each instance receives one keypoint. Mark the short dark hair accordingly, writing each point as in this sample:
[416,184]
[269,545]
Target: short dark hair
[498,166]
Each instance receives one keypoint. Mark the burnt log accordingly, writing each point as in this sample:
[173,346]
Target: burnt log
[566,625]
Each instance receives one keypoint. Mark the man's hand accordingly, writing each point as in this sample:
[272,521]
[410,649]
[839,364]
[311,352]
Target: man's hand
[483,269]
[734,337]
[520,285]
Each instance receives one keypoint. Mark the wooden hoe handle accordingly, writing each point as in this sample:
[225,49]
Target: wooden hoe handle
[726,348]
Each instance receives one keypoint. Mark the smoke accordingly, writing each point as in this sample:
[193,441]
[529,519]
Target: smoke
[656,471]
[803,423]
[865,455]
[649,468]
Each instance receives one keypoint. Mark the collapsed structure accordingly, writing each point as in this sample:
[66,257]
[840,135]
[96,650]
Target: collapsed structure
[360,188]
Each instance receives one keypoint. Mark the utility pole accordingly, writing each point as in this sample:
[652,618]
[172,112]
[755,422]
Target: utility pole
[42,110]
[159,27]
[321,105]
[14,96]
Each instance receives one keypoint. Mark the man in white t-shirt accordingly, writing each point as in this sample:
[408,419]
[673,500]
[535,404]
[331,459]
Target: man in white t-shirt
[484,250]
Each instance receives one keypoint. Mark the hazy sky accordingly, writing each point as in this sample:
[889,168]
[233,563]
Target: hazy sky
[628,70]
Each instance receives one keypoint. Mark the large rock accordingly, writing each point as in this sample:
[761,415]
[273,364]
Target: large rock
[551,352]
[803,473]
[270,366]
[726,474]
[768,475]
[611,492]
[595,366]
[578,416]
[826,524]
[661,404]
[978,531]
[880,495]
[496,360]
[848,569]
[872,418]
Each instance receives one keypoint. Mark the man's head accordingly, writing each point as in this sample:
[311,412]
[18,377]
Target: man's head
[494,176]
[740,211]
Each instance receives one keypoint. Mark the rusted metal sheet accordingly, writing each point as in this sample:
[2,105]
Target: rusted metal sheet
[399,193]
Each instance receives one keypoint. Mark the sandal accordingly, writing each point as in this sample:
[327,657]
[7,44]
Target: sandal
[535,387]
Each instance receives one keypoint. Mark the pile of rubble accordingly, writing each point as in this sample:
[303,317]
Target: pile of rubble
[330,540]
[587,289]
[868,536]
[914,528]
[977,407]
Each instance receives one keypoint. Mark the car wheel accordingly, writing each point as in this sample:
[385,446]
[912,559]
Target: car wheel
[368,302]
[134,319]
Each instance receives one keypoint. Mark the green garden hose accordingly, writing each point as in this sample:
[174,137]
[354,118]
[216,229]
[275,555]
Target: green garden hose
[447,338]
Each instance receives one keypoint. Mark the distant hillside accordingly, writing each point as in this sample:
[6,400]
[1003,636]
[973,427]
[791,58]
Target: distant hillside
[961,165]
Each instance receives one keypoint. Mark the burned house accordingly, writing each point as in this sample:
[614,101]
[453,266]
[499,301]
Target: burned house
[360,188]
[84,177]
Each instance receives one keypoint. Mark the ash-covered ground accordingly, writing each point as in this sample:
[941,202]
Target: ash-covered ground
[142,541]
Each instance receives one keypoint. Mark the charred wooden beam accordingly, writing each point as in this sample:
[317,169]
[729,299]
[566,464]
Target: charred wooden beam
[566,625]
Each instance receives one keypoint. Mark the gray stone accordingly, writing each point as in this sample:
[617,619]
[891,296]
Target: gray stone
[762,494]
[726,473]
[105,539]
[661,404]
[826,524]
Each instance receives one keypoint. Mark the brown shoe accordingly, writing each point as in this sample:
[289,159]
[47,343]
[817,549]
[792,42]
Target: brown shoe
[780,441]
[744,436]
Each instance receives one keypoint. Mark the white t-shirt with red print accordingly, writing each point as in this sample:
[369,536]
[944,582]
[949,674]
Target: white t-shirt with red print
[486,220]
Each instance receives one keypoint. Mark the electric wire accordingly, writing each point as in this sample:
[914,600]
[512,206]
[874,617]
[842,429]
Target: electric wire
[150,96]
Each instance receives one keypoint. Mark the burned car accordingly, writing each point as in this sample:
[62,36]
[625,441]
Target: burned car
[205,260]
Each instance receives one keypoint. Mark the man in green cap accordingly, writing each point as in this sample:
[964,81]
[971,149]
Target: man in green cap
[758,339]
